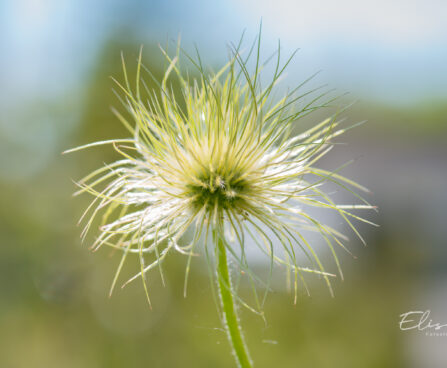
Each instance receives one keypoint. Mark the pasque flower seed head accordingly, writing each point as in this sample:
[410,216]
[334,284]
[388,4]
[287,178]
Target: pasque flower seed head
[223,158]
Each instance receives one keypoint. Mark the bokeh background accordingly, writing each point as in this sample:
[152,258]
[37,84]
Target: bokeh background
[56,58]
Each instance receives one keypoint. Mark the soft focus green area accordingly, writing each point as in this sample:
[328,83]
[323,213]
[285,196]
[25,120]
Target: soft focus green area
[54,305]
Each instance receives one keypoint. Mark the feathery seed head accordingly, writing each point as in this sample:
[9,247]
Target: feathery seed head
[219,159]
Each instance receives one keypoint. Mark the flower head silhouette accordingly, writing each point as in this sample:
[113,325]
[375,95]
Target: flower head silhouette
[220,160]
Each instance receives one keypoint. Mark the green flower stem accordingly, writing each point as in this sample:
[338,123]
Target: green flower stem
[230,319]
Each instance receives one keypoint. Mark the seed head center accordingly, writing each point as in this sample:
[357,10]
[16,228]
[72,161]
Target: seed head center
[214,190]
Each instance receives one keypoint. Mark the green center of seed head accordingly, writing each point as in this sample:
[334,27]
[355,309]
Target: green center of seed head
[214,190]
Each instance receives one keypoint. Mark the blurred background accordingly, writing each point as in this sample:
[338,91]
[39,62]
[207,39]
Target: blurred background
[56,58]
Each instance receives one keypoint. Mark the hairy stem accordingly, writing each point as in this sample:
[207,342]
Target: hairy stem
[230,319]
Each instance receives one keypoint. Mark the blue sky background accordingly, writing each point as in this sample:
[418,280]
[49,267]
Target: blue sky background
[391,51]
